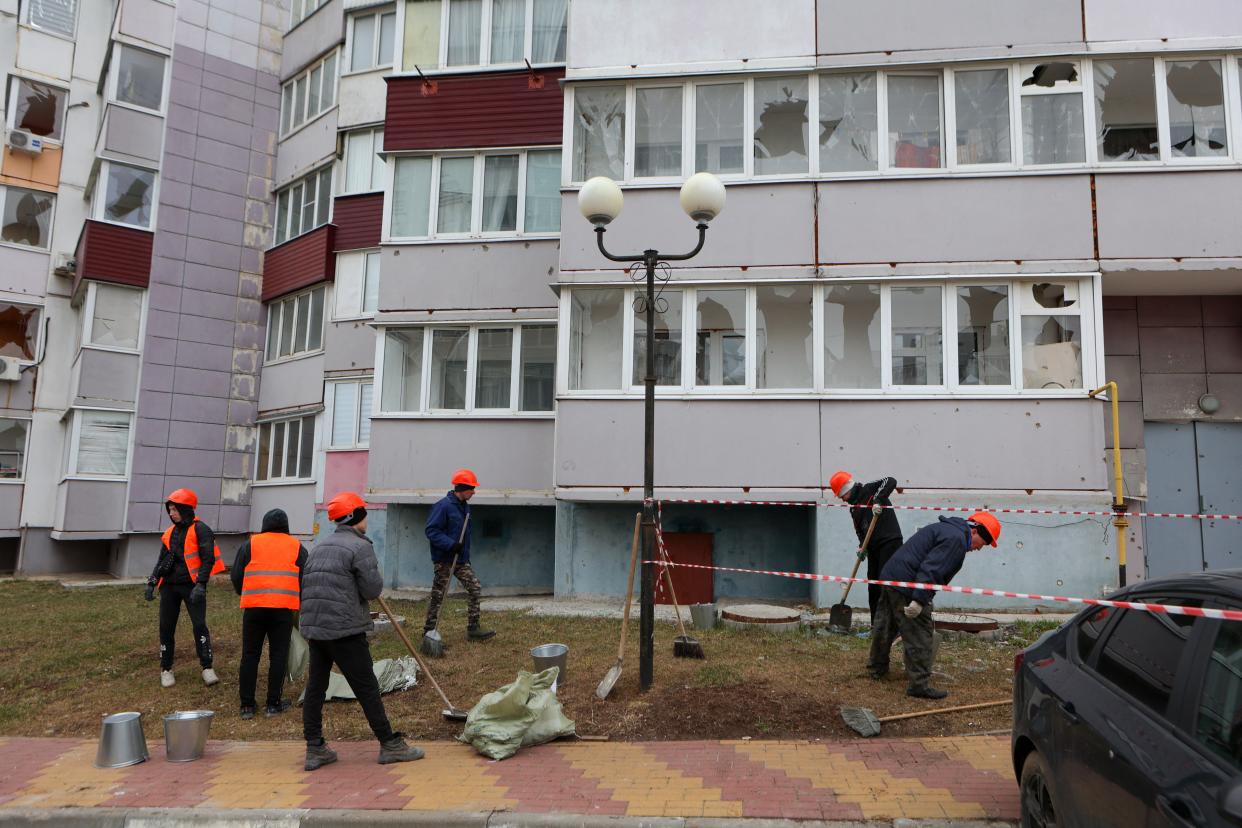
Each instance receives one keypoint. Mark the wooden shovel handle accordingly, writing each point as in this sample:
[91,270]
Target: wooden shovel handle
[862,553]
[629,586]
[668,579]
[945,710]
[410,646]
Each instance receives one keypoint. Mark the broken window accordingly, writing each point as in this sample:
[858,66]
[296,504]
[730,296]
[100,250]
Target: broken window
[914,120]
[116,316]
[657,131]
[720,350]
[537,388]
[983,335]
[781,125]
[12,448]
[848,131]
[493,368]
[1196,109]
[719,115]
[667,340]
[448,367]
[19,330]
[103,443]
[128,194]
[599,132]
[403,370]
[784,339]
[852,336]
[1052,125]
[917,335]
[982,107]
[27,216]
[1051,336]
[595,334]
[1125,110]
[40,108]
[140,78]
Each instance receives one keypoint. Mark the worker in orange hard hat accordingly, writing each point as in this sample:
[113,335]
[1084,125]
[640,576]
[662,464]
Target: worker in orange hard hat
[188,558]
[448,532]
[867,501]
[932,556]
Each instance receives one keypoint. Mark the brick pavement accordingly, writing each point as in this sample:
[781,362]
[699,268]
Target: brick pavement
[954,778]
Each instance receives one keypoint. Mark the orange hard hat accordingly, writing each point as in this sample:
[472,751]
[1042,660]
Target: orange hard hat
[344,505]
[465,477]
[184,497]
[989,524]
[841,481]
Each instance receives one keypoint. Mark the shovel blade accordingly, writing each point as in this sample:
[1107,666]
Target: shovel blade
[840,616]
[609,681]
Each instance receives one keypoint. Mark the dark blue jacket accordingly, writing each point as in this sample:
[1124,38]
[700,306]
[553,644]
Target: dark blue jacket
[932,556]
[444,528]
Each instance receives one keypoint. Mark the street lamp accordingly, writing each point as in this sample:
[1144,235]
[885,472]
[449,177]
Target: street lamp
[600,200]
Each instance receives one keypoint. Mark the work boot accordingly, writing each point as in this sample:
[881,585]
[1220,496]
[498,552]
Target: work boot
[877,673]
[210,677]
[927,693]
[477,633]
[396,750]
[319,755]
[167,679]
[277,709]
[247,712]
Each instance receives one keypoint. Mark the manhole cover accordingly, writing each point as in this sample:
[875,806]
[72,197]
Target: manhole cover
[965,623]
[775,619]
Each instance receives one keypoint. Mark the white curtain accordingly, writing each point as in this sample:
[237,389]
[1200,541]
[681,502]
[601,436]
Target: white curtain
[465,22]
[548,44]
[364,414]
[500,187]
[456,195]
[508,30]
[411,196]
[53,15]
[344,409]
[103,443]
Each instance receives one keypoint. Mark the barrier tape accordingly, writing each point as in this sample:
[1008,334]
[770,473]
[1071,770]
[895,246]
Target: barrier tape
[1168,609]
[971,509]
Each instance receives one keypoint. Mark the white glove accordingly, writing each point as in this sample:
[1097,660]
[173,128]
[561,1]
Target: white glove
[913,609]
[877,510]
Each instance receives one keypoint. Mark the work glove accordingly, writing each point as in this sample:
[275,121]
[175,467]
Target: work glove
[199,594]
[877,510]
[913,609]
[149,592]
[456,548]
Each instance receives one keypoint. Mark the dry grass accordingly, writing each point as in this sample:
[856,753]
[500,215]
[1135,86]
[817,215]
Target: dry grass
[68,657]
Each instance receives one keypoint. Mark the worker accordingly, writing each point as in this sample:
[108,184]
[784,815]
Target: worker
[340,577]
[867,501]
[933,556]
[448,532]
[181,574]
[267,574]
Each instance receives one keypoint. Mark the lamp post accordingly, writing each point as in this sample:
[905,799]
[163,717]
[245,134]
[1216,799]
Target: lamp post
[600,200]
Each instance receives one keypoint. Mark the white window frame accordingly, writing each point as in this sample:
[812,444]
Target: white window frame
[10,121]
[1079,88]
[299,10]
[476,205]
[358,310]
[271,423]
[329,402]
[374,65]
[21,475]
[99,198]
[1088,311]
[79,413]
[311,179]
[275,317]
[305,75]
[27,10]
[88,317]
[485,43]
[376,133]
[515,378]
[51,225]
[114,78]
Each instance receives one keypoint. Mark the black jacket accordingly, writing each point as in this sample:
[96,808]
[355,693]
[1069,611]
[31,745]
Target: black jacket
[933,556]
[274,521]
[887,529]
[170,565]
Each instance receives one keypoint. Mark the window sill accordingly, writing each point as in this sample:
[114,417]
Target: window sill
[16,246]
[305,124]
[291,481]
[477,69]
[938,394]
[90,346]
[299,235]
[369,317]
[72,38]
[105,478]
[351,193]
[371,70]
[465,415]
[137,108]
[115,223]
[421,240]
[293,358]
[344,449]
[12,481]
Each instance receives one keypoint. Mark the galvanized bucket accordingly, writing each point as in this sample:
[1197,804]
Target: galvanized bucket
[551,655]
[121,742]
[185,734]
[703,616]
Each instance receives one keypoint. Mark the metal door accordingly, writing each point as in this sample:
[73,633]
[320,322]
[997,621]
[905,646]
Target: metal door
[693,586]
[1220,492]
[1173,545]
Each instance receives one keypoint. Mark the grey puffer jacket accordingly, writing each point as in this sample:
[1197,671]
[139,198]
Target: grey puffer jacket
[341,575]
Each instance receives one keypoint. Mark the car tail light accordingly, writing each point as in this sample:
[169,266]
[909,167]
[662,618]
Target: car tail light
[1018,658]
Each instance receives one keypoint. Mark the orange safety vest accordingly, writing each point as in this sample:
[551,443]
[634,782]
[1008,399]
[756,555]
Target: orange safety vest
[271,577]
[192,560]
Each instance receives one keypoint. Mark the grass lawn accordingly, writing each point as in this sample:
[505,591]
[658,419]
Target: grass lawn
[68,657]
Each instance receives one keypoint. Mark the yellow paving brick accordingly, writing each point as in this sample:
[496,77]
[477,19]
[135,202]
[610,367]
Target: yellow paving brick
[985,753]
[450,778]
[71,781]
[233,780]
[649,787]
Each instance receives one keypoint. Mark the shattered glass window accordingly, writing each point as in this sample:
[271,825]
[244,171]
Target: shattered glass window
[1051,352]
[667,340]
[784,336]
[27,216]
[852,336]
[140,78]
[1196,109]
[983,335]
[40,109]
[117,316]
[127,198]
[1125,108]
[1052,131]
[12,447]
[596,325]
[914,121]
[599,132]
[720,357]
[781,125]
[719,114]
[19,330]
[848,131]
[982,104]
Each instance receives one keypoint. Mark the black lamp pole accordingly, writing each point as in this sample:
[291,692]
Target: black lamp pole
[646,627]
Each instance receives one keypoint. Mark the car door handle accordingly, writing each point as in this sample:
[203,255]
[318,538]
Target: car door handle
[1178,809]
[1070,712]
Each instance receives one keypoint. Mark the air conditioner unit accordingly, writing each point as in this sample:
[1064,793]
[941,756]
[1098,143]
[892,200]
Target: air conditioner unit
[22,141]
[10,369]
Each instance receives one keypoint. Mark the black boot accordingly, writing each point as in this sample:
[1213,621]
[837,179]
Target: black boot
[927,692]
[477,633]
[394,749]
[277,709]
[319,755]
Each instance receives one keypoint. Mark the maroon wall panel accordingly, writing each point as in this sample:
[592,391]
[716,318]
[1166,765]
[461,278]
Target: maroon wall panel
[495,109]
[111,253]
[358,220]
[299,263]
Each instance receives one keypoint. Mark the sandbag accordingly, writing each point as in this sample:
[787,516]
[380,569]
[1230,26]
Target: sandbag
[299,656]
[393,674]
[524,713]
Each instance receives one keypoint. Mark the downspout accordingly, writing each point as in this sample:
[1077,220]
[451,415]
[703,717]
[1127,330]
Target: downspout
[1119,505]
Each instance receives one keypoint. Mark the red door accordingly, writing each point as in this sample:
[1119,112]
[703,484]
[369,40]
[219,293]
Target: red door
[693,586]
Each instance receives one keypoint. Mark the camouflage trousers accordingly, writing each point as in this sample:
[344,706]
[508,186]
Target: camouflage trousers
[439,586]
[916,637]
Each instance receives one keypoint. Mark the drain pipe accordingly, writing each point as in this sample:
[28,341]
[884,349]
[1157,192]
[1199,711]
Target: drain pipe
[1119,504]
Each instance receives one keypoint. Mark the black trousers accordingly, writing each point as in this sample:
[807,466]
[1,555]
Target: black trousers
[353,655]
[876,558]
[172,596]
[276,625]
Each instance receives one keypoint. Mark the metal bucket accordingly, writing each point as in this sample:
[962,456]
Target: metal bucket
[551,655]
[703,616]
[185,734]
[121,742]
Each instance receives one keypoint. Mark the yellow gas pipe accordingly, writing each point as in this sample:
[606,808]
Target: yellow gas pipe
[1119,504]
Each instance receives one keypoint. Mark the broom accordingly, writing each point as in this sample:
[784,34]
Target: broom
[683,645]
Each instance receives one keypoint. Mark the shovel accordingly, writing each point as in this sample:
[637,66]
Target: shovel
[614,672]
[433,644]
[841,615]
[451,713]
[864,722]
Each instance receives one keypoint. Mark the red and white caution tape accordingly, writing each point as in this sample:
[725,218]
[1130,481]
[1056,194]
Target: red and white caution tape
[1169,609]
[971,509]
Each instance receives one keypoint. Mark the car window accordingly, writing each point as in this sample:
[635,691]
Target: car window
[1218,724]
[1141,654]
[1089,630]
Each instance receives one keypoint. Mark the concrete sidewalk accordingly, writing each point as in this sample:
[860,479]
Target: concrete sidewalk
[580,783]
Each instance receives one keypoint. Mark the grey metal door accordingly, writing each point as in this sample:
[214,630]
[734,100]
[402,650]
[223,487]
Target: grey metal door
[1220,492]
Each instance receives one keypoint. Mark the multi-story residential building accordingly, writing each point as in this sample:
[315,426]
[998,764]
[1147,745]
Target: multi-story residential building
[946,224]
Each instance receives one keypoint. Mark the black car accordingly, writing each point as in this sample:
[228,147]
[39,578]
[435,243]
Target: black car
[1133,718]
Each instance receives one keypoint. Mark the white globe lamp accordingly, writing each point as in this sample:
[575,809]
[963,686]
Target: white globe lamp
[702,197]
[600,200]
